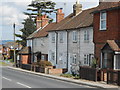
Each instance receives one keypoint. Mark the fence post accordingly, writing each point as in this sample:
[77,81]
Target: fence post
[118,78]
[107,77]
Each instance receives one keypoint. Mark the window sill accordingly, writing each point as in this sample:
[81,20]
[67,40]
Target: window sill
[74,41]
[103,29]
[86,41]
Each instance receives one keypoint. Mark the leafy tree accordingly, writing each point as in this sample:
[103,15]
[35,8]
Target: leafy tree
[40,7]
[28,29]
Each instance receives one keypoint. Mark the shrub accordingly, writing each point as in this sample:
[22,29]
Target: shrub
[43,63]
[67,75]
[94,63]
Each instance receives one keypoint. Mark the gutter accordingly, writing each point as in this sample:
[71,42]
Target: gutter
[108,9]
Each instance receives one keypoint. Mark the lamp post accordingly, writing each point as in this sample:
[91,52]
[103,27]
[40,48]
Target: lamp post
[14,45]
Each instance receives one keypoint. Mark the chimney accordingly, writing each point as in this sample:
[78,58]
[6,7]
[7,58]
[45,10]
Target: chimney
[41,21]
[59,15]
[101,1]
[77,8]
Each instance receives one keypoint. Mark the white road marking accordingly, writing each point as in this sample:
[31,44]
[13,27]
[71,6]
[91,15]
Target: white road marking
[6,79]
[23,85]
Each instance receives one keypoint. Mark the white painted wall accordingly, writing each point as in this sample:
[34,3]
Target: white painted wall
[40,45]
[61,53]
[86,47]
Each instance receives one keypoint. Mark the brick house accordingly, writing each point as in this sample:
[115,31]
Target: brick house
[107,34]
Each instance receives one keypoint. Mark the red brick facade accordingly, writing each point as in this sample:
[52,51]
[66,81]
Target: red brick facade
[111,33]
[25,59]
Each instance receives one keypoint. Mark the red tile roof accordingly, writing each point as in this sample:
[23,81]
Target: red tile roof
[114,46]
[107,5]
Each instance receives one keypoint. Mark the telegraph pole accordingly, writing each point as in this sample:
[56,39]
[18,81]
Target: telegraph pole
[14,45]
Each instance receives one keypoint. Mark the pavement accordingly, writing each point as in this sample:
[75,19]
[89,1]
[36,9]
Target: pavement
[84,83]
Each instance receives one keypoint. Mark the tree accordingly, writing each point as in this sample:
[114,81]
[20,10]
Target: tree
[29,28]
[40,7]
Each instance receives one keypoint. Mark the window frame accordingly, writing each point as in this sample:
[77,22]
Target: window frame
[53,38]
[74,36]
[61,34]
[86,36]
[52,55]
[74,60]
[104,19]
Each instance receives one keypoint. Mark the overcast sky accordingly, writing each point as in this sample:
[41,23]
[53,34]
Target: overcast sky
[12,11]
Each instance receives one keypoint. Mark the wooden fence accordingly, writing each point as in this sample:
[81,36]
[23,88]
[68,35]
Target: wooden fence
[113,77]
[88,73]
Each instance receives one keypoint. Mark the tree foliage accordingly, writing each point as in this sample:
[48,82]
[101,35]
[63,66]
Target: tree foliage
[40,7]
[28,29]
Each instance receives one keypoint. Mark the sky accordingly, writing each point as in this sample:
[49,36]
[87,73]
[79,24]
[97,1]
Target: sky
[11,11]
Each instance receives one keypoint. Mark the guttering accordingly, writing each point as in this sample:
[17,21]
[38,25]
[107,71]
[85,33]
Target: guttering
[108,9]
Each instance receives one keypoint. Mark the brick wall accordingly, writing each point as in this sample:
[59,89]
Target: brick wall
[112,32]
[25,59]
[55,71]
[59,15]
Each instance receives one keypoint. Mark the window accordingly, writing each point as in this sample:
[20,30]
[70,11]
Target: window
[42,57]
[74,37]
[103,21]
[53,56]
[75,59]
[86,36]
[105,60]
[61,37]
[86,59]
[53,37]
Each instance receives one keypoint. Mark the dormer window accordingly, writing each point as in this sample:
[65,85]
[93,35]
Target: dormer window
[103,21]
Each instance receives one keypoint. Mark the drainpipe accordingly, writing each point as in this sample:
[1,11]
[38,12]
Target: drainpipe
[32,57]
[56,46]
[67,50]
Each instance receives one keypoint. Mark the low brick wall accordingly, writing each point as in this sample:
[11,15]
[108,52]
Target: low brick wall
[55,71]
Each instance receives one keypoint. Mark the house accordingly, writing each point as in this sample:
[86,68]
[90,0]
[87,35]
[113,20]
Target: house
[38,41]
[71,43]
[25,55]
[107,34]
[1,51]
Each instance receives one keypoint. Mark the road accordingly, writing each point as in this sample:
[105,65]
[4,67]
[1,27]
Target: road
[17,79]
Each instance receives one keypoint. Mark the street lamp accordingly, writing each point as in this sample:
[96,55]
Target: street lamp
[14,45]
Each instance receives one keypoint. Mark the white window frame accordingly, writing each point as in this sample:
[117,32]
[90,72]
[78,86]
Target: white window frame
[42,57]
[86,36]
[74,61]
[74,36]
[61,34]
[53,38]
[52,56]
[103,19]
[87,59]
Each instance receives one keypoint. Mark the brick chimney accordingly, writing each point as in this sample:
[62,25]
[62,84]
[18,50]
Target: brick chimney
[77,8]
[59,15]
[100,1]
[41,21]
